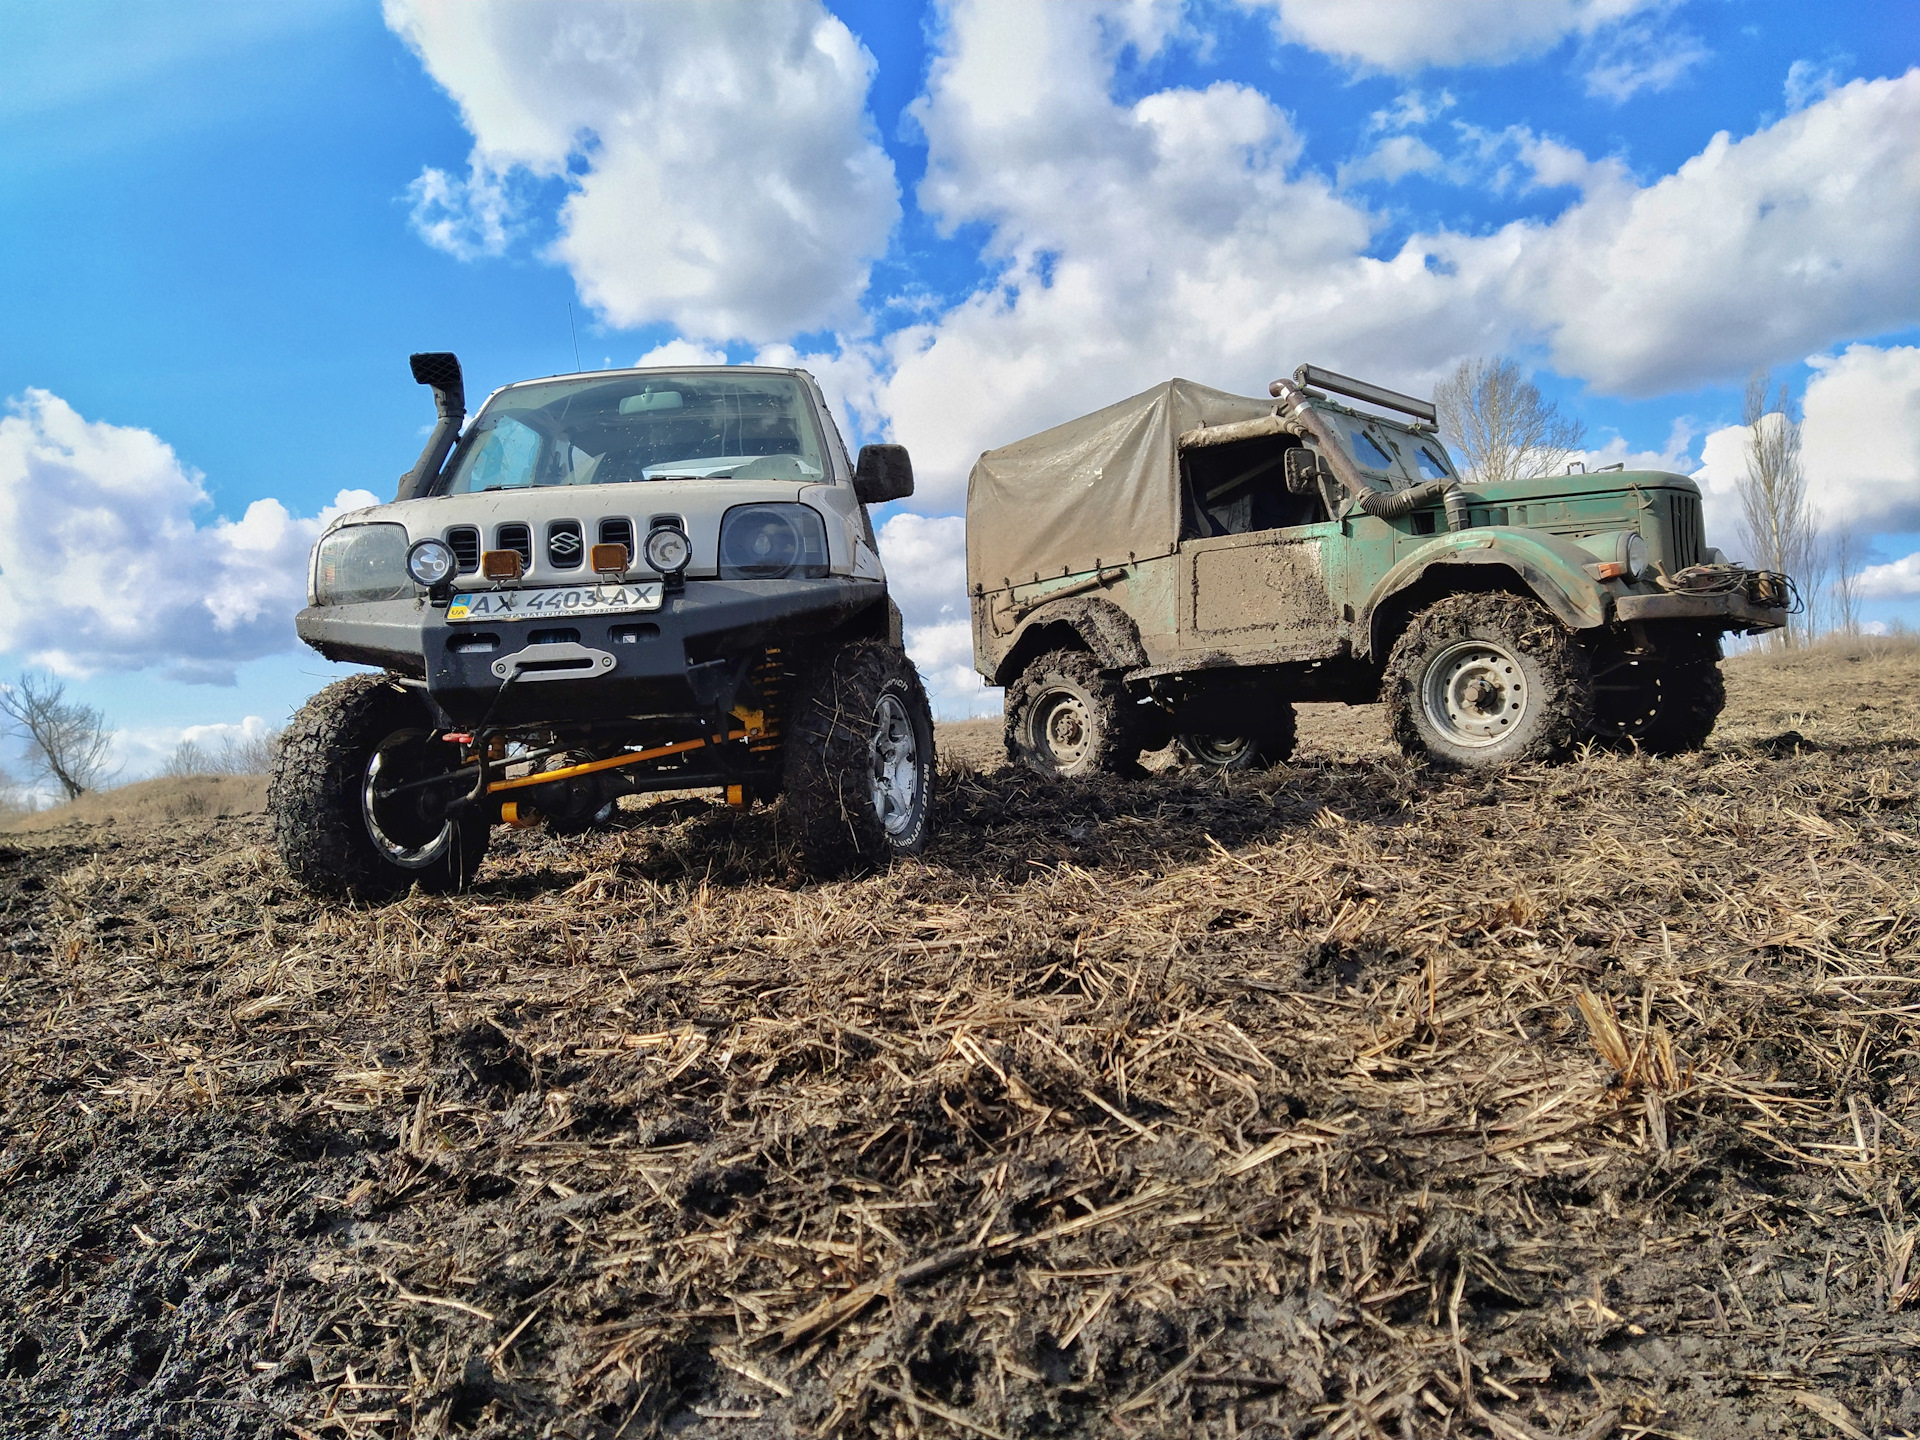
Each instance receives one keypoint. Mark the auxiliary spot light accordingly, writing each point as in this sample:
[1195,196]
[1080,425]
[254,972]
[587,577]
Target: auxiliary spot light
[501,564]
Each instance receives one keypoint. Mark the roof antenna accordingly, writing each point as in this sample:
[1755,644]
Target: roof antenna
[576,339]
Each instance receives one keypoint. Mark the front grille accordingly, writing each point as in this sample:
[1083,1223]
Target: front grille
[566,550]
[618,531]
[1689,541]
[464,541]
[515,536]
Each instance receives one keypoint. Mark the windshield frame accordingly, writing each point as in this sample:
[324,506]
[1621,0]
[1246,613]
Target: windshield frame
[835,468]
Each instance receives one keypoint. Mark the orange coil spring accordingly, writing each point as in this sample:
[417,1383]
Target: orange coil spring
[769,676]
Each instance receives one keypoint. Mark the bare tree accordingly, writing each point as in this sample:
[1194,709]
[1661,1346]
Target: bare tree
[1845,589]
[244,755]
[1776,516]
[1503,425]
[67,742]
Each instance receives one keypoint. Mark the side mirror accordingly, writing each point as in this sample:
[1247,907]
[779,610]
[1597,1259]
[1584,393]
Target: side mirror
[883,473]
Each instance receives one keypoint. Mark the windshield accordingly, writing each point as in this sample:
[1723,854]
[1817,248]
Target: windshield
[600,431]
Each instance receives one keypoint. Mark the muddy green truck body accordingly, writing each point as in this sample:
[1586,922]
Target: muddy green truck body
[1293,544]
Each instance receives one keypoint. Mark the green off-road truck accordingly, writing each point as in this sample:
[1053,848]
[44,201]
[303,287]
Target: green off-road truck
[1186,564]
[622,581]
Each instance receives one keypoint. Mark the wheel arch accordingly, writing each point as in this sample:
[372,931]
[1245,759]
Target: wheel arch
[1097,626]
[1522,565]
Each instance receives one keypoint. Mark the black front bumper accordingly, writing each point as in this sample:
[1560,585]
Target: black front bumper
[1730,611]
[687,657]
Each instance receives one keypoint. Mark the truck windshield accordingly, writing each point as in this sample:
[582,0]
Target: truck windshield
[600,431]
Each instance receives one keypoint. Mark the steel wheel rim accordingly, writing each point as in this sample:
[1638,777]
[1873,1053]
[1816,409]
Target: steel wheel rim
[895,753]
[1221,750]
[1475,693]
[397,851]
[1062,729]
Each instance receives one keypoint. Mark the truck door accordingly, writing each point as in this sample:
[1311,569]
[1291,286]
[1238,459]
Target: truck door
[1260,568]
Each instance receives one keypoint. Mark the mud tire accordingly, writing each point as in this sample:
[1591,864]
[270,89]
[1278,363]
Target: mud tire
[1067,717]
[315,804]
[1537,668]
[1272,745]
[1693,693]
[835,744]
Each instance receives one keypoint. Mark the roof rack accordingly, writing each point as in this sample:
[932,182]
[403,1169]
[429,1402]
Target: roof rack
[1360,390]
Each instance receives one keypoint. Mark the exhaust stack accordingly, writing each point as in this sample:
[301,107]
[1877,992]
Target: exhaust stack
[441,370]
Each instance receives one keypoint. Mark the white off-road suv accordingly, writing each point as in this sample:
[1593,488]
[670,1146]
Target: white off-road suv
[613,582]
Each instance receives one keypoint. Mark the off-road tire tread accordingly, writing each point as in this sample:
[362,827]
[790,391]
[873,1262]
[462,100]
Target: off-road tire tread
[1690,700]
[1275,747]
[313,799]
[826,777]
[1527,625]
[1116,747]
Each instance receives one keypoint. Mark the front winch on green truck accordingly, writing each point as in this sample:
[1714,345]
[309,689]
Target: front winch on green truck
[1187,564]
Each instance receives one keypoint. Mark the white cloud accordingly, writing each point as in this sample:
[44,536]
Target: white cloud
[943,654]
[1393,159]
[1807,82]
[1859,444]
[1234,264]
[1895,579]
[683,352]
[1861,441]
[102,566]
[720,169]
[1632,58]
[143,749]
[926,563]
[1397,36]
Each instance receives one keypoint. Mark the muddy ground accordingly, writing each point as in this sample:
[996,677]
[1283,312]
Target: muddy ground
[1346,1100]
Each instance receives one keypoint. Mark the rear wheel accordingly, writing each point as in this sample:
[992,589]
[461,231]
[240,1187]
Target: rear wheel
[1484,680]
[1067,716]
[860,760]
[349,814]
[1270,744]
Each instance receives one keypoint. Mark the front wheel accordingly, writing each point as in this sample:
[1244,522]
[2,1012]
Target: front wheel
[860,760]
[1666,702]
[356,801]
[1485,680]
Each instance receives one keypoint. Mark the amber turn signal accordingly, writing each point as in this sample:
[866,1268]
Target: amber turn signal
[501,564]
[609,559]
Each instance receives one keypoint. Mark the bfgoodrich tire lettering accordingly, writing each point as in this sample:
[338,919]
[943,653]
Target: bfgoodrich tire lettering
[324,821]
[1480,681]
[860,760]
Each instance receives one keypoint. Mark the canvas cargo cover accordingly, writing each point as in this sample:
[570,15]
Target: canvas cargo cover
[1092,491]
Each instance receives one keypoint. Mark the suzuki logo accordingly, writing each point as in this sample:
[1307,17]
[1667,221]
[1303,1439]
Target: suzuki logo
[565,544]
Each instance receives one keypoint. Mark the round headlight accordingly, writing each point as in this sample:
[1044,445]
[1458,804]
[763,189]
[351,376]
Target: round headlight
[1635,555]
[667,550]
[430,561]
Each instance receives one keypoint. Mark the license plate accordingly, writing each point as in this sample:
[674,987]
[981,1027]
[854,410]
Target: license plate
[546,604]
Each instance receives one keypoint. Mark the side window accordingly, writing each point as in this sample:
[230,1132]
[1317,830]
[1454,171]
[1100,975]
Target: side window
[505,457]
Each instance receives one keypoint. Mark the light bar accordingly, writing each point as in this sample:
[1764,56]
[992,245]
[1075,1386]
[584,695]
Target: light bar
[1360,390]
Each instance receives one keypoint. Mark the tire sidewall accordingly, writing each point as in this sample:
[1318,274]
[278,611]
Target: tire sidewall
[1554,668]
[314,796]
[828,779]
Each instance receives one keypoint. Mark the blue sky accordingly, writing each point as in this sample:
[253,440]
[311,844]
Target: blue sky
[224,226]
